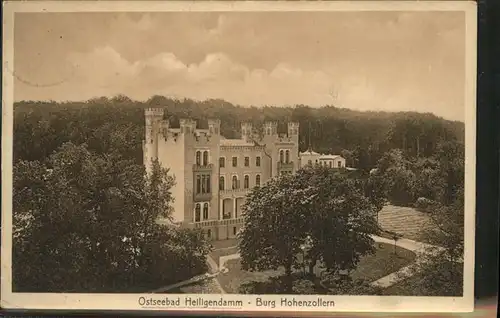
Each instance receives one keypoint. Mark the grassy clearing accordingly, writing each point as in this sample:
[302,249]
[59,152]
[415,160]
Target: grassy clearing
[371,268]
[208,286]
[216,254]
[224,243]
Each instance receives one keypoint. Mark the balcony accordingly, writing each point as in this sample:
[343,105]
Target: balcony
[202,197]
[239,191]
[285,166]
[212,223]
[201,168]
[231,221]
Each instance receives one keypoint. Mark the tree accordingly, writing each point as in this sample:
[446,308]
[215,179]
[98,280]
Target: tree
[319,208]
[341,220]
[399,177]
[88,223]
[275,226]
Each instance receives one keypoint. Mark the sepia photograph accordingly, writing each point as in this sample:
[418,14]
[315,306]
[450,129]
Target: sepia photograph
[239,156]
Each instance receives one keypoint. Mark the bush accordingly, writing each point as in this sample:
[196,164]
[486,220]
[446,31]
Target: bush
[424,205]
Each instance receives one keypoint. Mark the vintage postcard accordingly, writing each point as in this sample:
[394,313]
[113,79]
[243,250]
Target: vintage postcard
[239,156]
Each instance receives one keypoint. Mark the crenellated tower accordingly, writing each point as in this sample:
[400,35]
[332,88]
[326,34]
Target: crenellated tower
[153,125]
[214,127]
[246,131]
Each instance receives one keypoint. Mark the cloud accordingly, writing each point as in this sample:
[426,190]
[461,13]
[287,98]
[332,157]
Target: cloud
[216,76]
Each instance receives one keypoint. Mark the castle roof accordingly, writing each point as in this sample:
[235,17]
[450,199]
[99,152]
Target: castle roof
[326,157]
[309,153]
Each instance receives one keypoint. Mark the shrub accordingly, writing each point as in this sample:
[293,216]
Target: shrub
[423,204]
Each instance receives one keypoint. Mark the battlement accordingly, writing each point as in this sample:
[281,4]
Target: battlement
[271,124]
[187,121]
[246,130]
[293,129]
[157,112]
[215,122]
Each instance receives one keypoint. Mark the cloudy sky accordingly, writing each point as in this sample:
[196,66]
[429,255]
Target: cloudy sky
[361,60]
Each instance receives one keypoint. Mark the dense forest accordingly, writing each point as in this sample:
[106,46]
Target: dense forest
[118,123]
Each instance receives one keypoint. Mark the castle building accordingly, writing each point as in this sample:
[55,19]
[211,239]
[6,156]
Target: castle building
[214,174]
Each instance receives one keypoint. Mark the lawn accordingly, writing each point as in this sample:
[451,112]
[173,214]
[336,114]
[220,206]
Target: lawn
[371,268]
[216,254]
[407,287]
[224,243]
[208,286]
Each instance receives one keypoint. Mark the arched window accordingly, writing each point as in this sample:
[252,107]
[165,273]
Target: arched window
[339,164]
[197,213]
[203,184]
[331,164]
[287,155]
[246,182]
[205,211]
[235,182]
[257,180]
[205,158]
[198,158]
[281,156]
[208,184]
[198,184]
[221,183]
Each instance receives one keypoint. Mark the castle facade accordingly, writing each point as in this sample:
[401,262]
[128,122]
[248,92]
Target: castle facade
[214,174]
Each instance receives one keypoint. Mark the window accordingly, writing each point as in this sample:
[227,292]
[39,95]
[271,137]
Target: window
[208,184]
[198,158]
[339,164]
[268,131]
[222,162]
[198,184]
[205,211]
[209,233]
[287,155]
[246,182]
[205,158]
[331,164]
[227,208]
[257,180]
[281,156]
[203,184]
[234,230]
[247,161]
[235,161]
[221,183]
[235,182]
[257,161]
[197,213]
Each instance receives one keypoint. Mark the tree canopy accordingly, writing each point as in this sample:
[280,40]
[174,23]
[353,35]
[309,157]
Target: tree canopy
[361,136]
[85,222]
[318,212]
